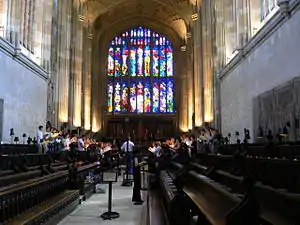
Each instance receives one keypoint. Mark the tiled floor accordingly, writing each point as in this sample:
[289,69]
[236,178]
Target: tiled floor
[89,212]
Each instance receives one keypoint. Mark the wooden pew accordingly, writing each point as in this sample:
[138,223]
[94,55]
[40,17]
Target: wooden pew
[39,200]
[18,149]
[279,173]
[277,206]
[33,172]
[216,203]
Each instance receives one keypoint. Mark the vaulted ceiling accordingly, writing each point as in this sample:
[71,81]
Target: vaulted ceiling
[165,14]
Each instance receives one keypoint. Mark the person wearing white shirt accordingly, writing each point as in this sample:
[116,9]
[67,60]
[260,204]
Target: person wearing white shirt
[127,146]
[80,143]
[39,138]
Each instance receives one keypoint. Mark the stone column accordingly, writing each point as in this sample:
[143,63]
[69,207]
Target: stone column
[14,23]
[37,39]
[87,82]
[3,17]
[183,88]
[64,58]
[255,16]
[230,29]
[47,33]
[78,41]
[190,83]
[97,77]
[197,71]
[207,60]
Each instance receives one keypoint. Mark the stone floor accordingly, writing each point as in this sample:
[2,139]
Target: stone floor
[89,212]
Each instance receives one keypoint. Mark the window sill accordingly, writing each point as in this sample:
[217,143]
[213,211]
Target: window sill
[17,55]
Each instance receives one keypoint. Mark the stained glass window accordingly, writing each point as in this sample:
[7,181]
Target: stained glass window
[140,71]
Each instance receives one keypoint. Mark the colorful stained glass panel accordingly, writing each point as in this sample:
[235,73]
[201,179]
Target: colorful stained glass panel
[162,61]
[124,103]
[155,97]
[140,59]
[117,97]
[141,64]
[147,97]
[162,97]
[132,62]
[132,97]
[155,66]
[110,91]
[147,59]
[117,62]
[110,63]
[169,54]
[140,97]
[170,94]
[125,60]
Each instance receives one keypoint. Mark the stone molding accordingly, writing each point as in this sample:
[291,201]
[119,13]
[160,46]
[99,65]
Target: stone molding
[287,9]
[15,53]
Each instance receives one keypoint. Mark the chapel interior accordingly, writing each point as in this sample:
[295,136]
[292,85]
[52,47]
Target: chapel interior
[194,106]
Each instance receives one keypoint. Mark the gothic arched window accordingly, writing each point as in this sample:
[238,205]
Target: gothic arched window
[140,73]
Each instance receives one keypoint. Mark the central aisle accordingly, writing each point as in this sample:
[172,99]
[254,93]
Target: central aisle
[89,212]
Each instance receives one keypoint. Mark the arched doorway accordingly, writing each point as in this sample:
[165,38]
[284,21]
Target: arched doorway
[140,85]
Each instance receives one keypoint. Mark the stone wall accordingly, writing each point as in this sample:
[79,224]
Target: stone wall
[25,98]
[274,62]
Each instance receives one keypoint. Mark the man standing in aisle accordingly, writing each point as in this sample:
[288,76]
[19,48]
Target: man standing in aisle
[127,147]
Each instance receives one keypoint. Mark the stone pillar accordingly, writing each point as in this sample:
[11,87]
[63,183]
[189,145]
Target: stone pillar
[87,82]
[243,22]
[97,77]
[197,71]
[47,33]
[207,60]
[230,29]
[3,17]
[255,16]
[78,41]
[14,23]
[37,39]
[190,83]
[183,88]
[64,58]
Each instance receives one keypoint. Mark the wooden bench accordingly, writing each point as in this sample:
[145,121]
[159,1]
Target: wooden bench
[33,172]
[278,207]
[16,149]
[156,214]
[216,203]
[279,173]
[18,199]
[58,206]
